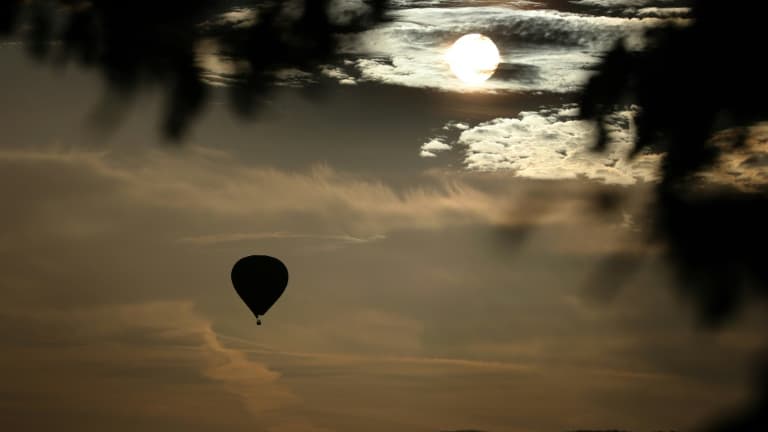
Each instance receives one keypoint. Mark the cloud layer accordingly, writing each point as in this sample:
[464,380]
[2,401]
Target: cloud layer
[542,50]
[553,144]
[118,276]
[139,365]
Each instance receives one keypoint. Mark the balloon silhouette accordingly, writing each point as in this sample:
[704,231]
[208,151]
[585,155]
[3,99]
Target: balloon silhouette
[259,280]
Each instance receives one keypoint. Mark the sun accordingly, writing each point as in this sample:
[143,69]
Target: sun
[473,58]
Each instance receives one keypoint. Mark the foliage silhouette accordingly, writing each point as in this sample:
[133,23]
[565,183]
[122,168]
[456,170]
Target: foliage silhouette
[684,98]
[691,82]
[140,43]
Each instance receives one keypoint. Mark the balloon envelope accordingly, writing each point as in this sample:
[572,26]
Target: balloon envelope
[259,280]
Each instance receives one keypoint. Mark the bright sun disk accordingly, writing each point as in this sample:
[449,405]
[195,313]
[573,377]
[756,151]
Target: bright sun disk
[473,58]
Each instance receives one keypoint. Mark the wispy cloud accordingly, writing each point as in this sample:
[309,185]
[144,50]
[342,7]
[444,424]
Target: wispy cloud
[145,362]
[443,307]
[236,237]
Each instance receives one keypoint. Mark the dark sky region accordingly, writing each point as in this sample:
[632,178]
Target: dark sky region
[446,253]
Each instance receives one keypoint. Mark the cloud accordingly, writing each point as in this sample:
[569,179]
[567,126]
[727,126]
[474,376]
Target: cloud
[660,12]
[340,12]
[639,8]
[456,125]
[559,47]
[220,70]
[345,12]
[293,78]
[433,146]
[216,68]
[744,167]
[337,74]
[218,185]
[239,17]
[554,144]
[441,313]
[138,364]
[229,204]
[335,240]
[623,3]
[408,4]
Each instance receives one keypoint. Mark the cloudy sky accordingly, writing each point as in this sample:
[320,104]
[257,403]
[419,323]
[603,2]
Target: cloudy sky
[446,253]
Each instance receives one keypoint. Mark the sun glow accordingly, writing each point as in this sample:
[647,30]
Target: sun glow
[473,58]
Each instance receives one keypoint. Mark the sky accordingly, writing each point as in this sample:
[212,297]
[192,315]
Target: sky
[445,249]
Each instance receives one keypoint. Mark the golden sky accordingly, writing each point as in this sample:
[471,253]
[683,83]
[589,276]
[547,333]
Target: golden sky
[423,296]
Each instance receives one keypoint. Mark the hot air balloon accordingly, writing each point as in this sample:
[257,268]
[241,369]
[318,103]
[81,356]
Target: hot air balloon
[259,280]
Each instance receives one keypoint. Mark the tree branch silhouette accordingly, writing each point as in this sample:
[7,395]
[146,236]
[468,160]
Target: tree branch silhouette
[691,82]
[143,43]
